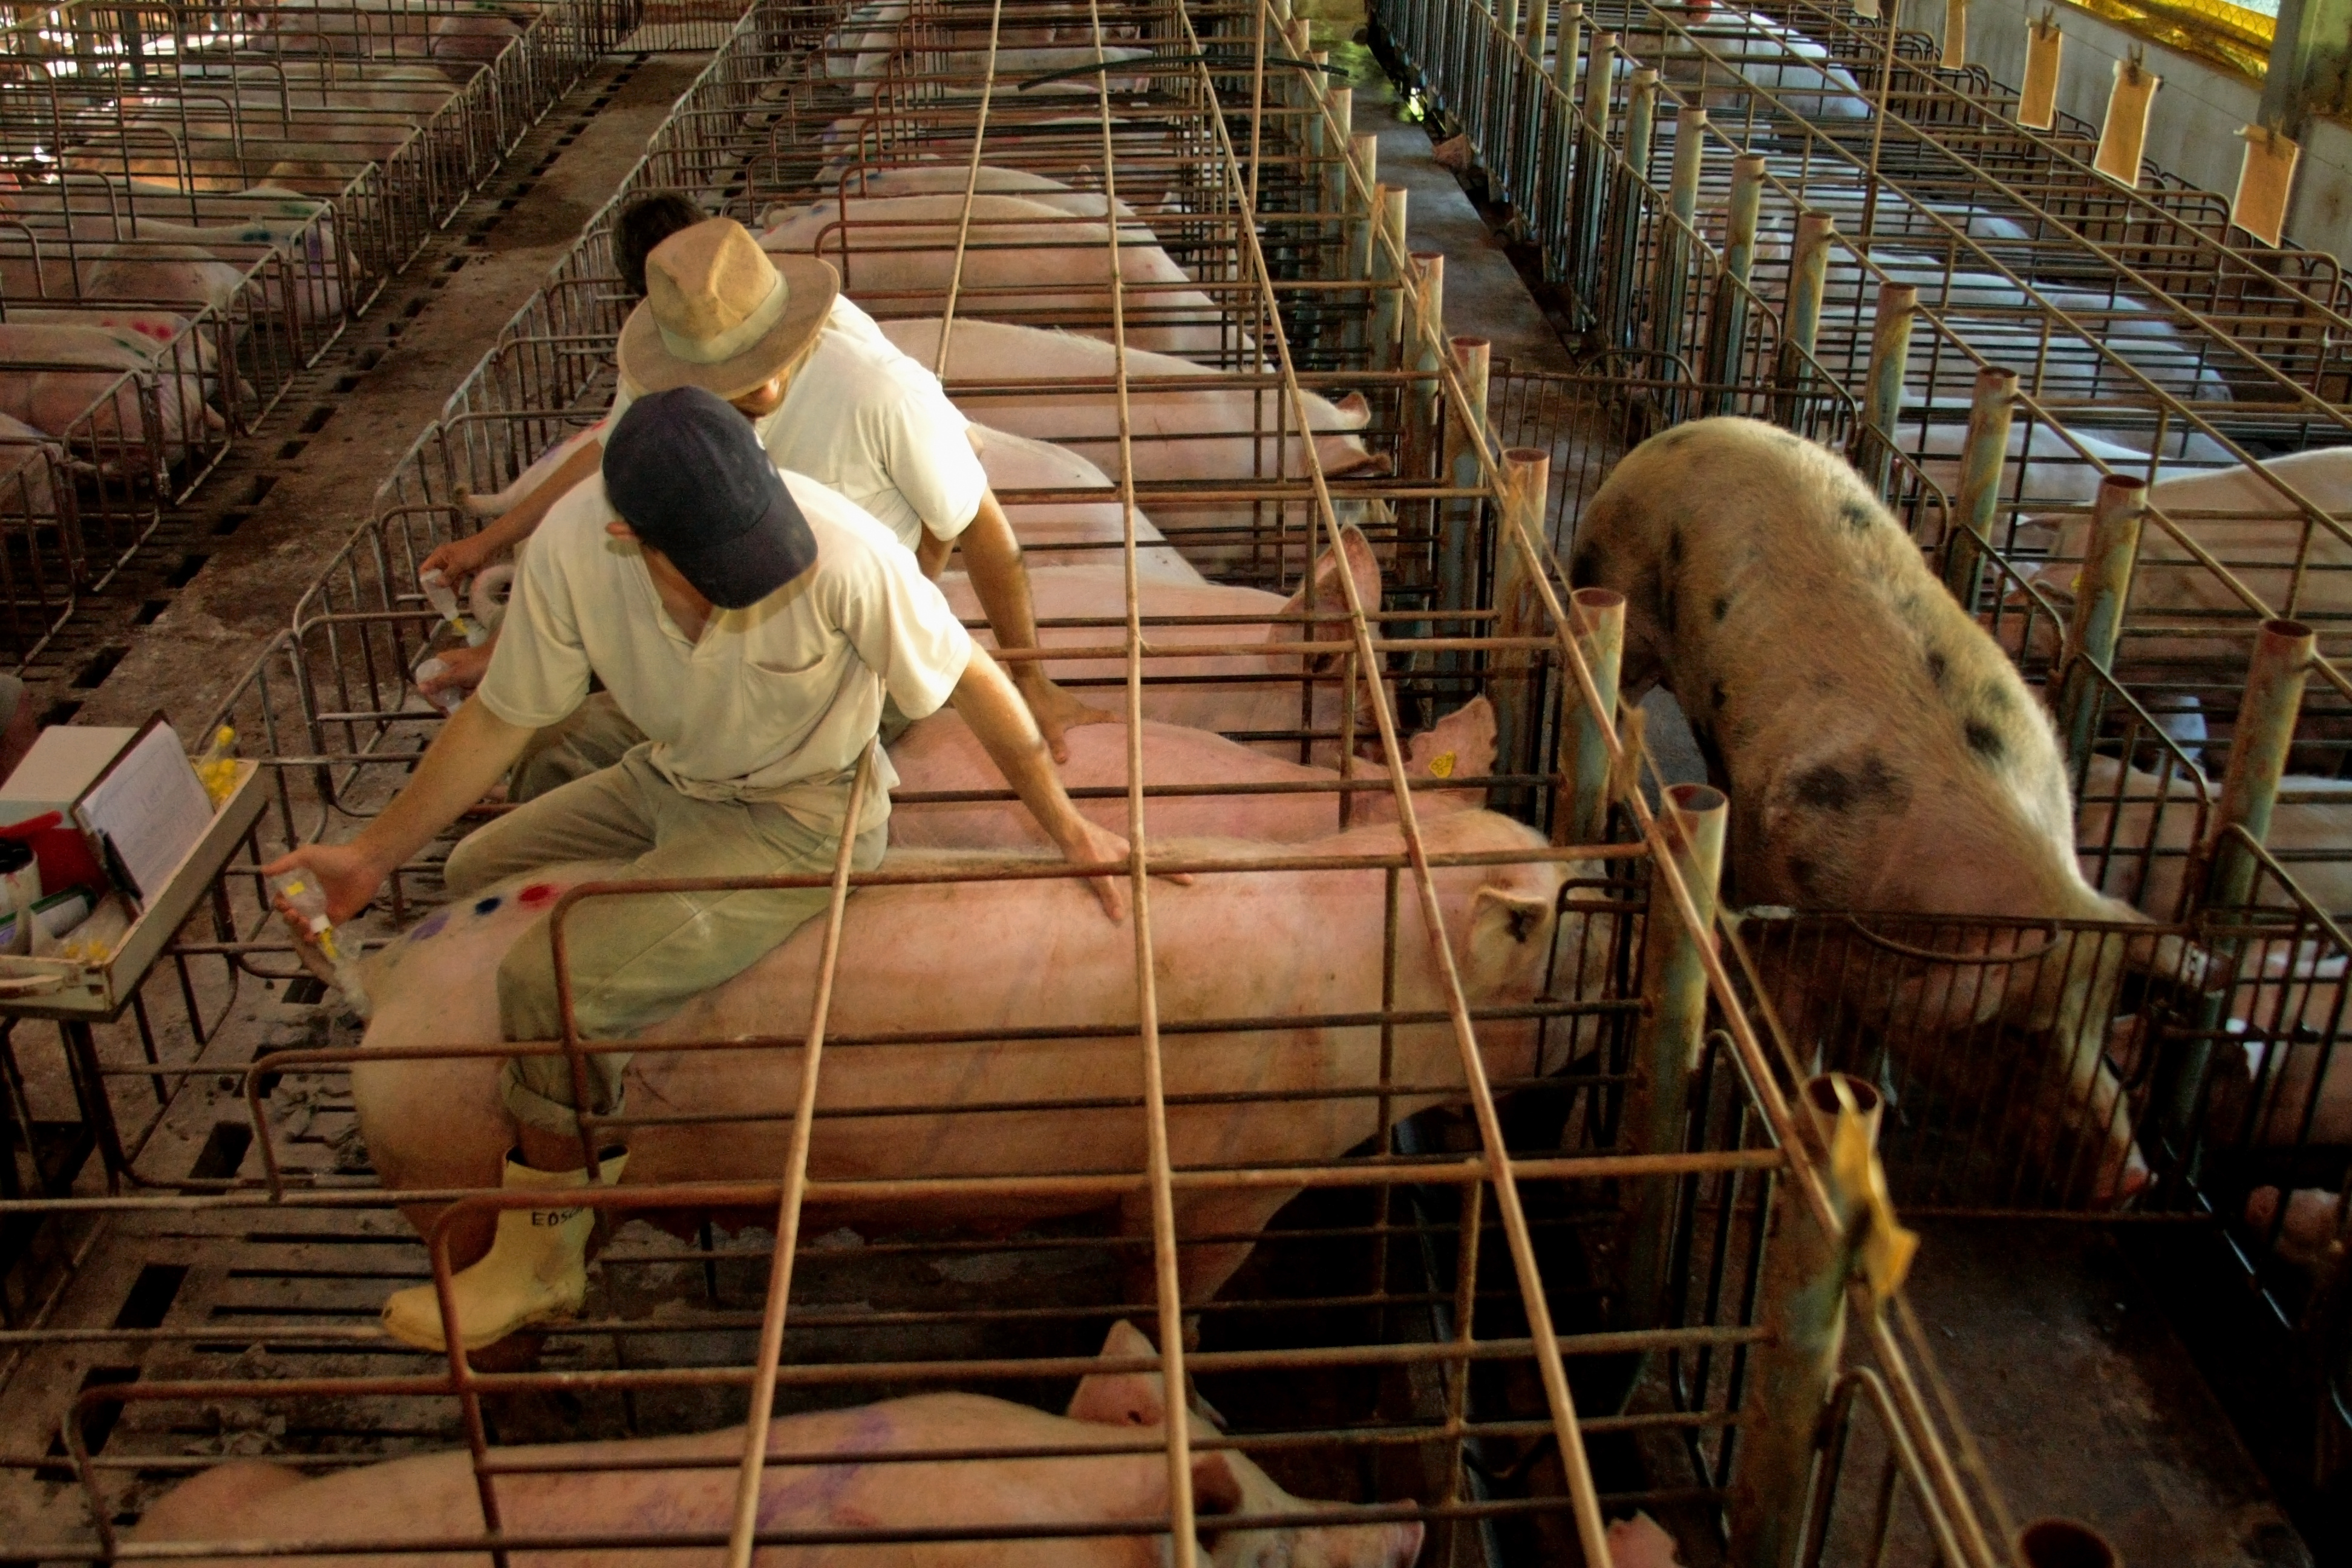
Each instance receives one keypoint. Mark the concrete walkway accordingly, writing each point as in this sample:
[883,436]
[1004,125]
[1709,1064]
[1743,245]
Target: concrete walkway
[1485,296]
[384,383]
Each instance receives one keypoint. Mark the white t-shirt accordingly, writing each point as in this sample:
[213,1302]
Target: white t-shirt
[864,418]
[784,693]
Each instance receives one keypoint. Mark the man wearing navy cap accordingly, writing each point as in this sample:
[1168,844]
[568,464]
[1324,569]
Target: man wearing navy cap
[750,623]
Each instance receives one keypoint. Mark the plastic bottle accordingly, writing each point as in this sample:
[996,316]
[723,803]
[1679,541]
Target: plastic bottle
[443,599]
[450,699]
[302,893]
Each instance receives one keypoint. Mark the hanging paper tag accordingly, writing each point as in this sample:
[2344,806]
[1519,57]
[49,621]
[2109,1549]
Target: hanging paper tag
[2125,132]
[1866,8]
[2264,181]
[2037,106]
[1955,36]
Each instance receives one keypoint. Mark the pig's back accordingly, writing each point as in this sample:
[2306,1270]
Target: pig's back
[1845,696]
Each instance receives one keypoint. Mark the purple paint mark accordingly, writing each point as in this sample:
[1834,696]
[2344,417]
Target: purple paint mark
[431,927]
[488,906]
[816,1491]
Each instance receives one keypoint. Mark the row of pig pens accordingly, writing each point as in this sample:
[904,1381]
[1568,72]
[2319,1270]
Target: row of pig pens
[1469,1191]
[196,200]
[2058,383]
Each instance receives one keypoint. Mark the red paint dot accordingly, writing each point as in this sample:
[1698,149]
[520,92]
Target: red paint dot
[536,893]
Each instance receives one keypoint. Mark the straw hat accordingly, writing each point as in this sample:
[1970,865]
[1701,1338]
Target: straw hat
[723,315]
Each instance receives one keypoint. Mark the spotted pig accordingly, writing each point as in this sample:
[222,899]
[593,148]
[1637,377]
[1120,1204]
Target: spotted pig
[1880,752]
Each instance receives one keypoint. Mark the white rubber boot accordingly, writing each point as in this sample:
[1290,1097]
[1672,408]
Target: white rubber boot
[536,1269]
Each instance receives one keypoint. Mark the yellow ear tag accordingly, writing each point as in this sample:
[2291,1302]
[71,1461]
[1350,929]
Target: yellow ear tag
[1441,766]
[1887,1247]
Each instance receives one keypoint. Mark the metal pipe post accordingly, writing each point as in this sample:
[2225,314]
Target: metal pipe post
[1364,151]
[1582,814]
[1539,30]
[1981,466]
[1890,358]
[1690,161]
[1387,301]
[1598,71]
[1641,118]
[1615,283]
[1667,1036]
[1670,285]
[1727,327]
[1513,675]
[1565,46]
[1802,1304]
[2259,744]
[1809,277]
[2099,595]
[1424,332]
[1746,203]
[1507,16]
[1457,545]
[1801,317]
[1336,141]
[1589,182]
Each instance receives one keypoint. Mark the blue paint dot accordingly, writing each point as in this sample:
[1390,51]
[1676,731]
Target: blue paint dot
[431,927]
[488,905]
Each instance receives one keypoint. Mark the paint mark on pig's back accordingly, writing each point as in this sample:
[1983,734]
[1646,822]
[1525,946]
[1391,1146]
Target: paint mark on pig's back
[820,1489]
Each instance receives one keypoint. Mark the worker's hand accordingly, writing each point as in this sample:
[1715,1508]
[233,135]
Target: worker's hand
[1085,843]
[462,669]
[347,873]
[1058,711]
[457,559]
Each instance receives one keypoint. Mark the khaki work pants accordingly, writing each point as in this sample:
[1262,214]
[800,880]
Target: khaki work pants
[598,734]
[636,959]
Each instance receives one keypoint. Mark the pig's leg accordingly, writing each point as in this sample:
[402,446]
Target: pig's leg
[1201,1267]
[530,480]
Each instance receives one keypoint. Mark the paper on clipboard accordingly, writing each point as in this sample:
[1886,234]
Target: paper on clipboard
[148,809]
[2037,105]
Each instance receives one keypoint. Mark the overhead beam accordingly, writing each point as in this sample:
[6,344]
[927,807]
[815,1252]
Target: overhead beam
[2308,59]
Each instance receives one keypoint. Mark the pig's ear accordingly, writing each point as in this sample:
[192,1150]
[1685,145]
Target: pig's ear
[1122,1398]
[1363,564]
[1507,927]
[1460,745]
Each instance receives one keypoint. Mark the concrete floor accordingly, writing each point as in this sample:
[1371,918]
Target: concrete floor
[1484,295]
[383,385]
[2087,1402]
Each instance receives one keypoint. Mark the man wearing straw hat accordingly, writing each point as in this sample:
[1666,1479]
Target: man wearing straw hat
[748,623]
[841,405]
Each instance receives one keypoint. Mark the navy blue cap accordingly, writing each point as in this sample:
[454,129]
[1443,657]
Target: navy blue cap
[688,474]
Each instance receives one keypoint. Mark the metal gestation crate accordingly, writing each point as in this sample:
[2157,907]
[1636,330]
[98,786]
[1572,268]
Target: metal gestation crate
[2028,353]
[1610,1282]
[390,115]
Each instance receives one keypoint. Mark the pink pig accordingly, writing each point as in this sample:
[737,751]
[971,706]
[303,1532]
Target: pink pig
[827,1471]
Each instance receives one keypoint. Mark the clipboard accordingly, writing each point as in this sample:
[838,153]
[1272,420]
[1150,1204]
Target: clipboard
[145,811]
